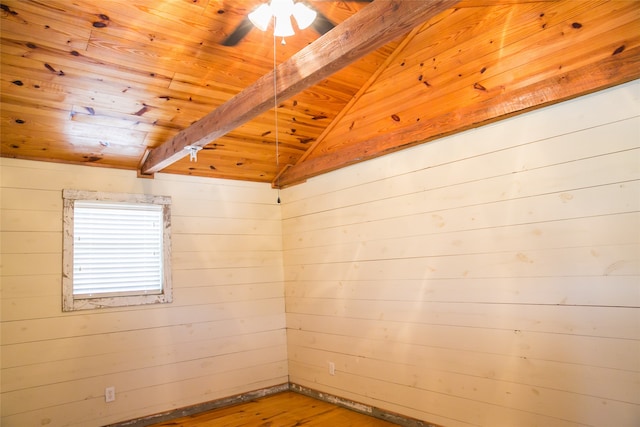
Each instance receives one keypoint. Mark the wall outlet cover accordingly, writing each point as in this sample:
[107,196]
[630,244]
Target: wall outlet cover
[109,394]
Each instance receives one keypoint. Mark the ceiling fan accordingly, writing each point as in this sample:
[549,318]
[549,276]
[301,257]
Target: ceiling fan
[281,12]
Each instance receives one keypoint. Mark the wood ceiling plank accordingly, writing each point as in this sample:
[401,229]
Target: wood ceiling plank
[55,100]
[572,55]
[193,57]
[551,32]
[68,155]
[17,106]
[210,84]
[63,60]
[355,98]
[88,101]
[290,122]
[120,121]
[15,123]
[30,117]
[45,26]
[44,36]
[26,72]
[113,97]
[338,10]
[76,149]
[164,18]
[206,165]
[39,111]
[219,157]
[242,148]
[77,131]
[115,52]
[189,55]
[485,65]
[372,27]
[217,164]
[486,3]
[312,102]
[35,92]
[223,171]
[41,130]
[261,134]
[616,69]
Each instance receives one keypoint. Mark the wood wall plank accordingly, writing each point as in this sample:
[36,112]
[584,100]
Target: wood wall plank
[80,324]
[609,260]
[600,321]
[586,232]
[387,340]
[520,407]
[174,395]
[579,290]
[46,304]
[620,385]
[569,146]
[618,168]
[80,346]
[195,355]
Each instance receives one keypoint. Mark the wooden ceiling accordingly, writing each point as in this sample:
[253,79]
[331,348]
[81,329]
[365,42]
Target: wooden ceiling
[128,83]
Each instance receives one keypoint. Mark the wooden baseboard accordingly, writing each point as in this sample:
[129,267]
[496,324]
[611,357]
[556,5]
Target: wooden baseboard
[202,407]
[256,394]
[361,408]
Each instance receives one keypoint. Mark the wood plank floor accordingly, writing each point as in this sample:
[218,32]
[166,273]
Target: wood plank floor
[285,409]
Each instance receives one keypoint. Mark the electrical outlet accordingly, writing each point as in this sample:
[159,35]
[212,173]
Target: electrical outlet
[332,368]
[110,394]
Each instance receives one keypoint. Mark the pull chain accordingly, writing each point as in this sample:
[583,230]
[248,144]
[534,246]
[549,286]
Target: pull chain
[275,109]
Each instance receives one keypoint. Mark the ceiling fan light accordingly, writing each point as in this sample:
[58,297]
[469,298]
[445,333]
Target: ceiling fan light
[261,16]
[304,15]
[281,8]
[283,27]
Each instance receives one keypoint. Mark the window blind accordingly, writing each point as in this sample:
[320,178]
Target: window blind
[117,248]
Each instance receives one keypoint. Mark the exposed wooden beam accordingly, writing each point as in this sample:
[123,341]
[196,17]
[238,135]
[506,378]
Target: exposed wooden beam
[375,25]
[617,69]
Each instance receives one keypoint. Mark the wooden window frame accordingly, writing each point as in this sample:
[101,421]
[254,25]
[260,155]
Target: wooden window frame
[72,303]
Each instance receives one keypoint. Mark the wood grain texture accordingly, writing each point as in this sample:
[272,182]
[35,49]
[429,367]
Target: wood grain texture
[131,65]
[430,101]
[228,308]
[282,409]
[104,84]
[379,23]
[486,279]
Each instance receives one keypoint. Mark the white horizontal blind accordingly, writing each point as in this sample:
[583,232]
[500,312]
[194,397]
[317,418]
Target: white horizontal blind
[117,248]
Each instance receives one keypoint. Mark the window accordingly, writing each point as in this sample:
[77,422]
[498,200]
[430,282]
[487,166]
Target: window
[117,250]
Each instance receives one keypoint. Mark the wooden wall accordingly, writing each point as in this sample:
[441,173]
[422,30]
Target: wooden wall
[224,333]
[491,278]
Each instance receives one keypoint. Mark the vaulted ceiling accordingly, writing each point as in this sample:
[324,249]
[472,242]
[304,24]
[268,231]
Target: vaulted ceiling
[129,83]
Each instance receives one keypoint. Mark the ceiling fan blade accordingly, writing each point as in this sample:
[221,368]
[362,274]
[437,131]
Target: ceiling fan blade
[238,34]
[322,24]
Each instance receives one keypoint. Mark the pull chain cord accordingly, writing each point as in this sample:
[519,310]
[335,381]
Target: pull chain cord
[275,109]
